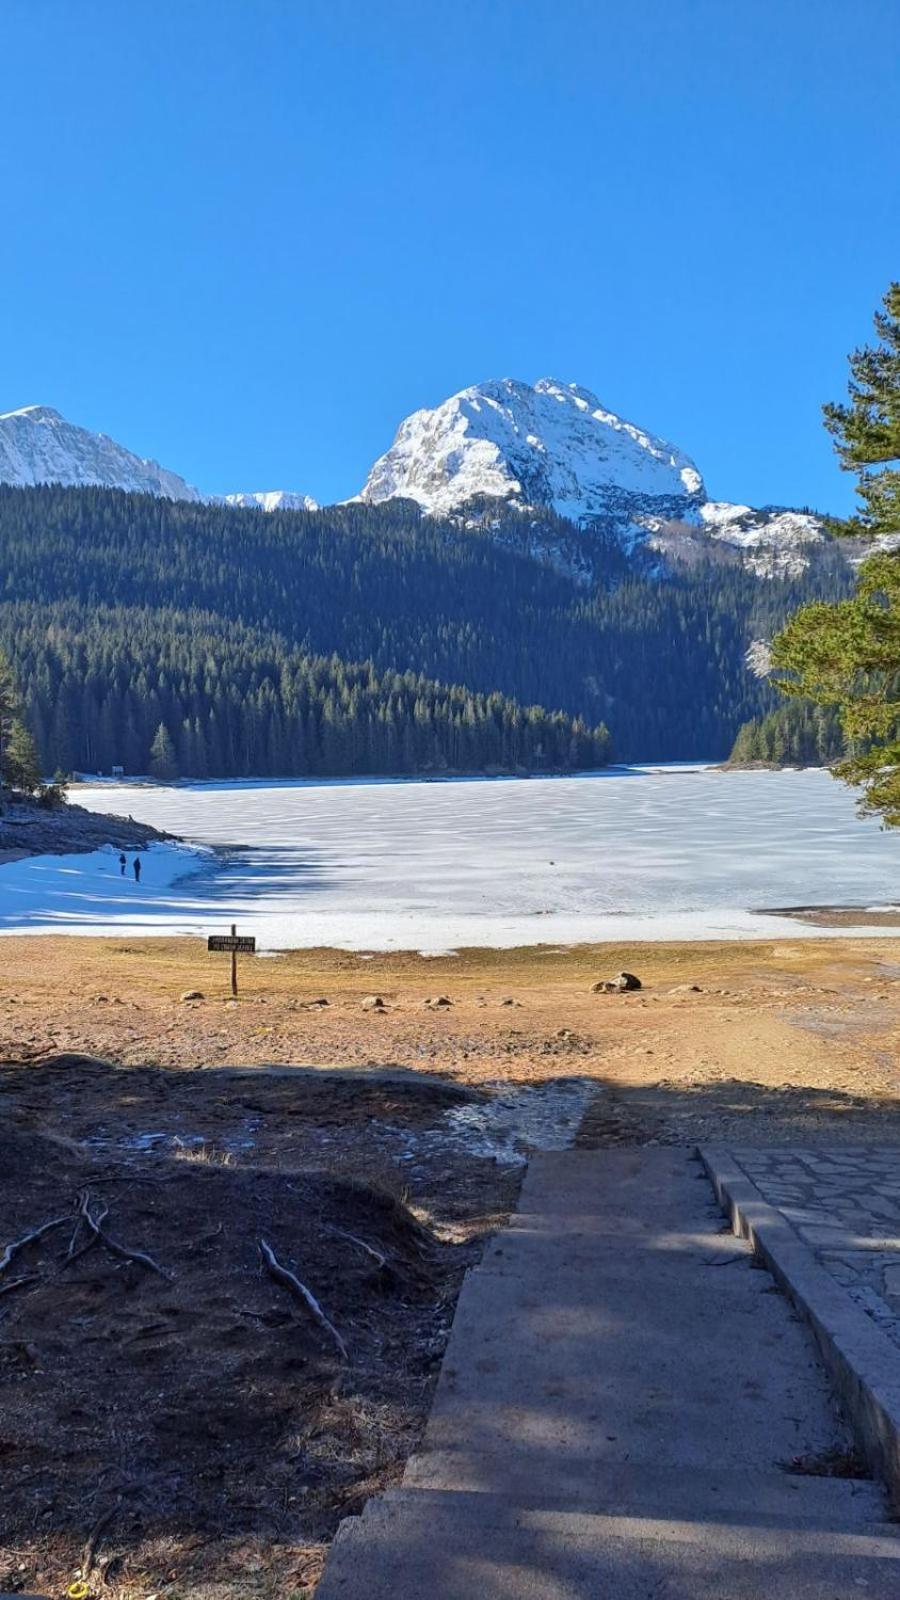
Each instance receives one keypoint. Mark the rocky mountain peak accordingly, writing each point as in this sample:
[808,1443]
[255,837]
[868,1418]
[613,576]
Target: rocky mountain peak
[549,444]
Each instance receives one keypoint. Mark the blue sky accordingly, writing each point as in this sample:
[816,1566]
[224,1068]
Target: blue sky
[248,236]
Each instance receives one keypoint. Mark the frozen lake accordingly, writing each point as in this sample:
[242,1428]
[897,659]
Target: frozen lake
[641,854]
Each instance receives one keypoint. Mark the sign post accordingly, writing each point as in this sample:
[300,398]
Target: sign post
[224,942]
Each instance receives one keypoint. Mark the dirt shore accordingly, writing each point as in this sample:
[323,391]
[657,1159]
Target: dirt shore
[194,1431]
[28,829]
[795,1017]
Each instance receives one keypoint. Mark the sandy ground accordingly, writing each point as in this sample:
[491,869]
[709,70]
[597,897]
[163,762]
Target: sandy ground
[196,1433]
[810,1026]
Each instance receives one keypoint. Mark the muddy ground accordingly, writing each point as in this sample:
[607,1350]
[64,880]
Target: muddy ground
[195,1431]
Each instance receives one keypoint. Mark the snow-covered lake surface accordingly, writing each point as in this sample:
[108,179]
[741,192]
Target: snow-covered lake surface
[671,853]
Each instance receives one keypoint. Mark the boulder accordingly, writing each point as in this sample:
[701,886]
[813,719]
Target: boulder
[619,985]
[74,1061]
[438,1002]
[193,994]
[373,1002]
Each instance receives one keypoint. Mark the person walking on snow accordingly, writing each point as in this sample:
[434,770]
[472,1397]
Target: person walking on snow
[123,862]
[137,869]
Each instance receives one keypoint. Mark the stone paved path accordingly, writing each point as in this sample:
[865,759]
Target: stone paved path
[621,1411]
[845,1206]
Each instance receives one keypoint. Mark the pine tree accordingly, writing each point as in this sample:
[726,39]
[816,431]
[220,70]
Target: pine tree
[162,755]
[9,707]
[847,655]
[867,431]
[21,767]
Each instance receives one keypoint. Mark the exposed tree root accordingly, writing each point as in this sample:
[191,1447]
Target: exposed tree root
[376,1256]
[13,1249]
[89,1553]
[300,1292]
[121,1250]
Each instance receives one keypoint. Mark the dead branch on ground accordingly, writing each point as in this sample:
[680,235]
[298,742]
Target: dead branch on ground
[16,1283]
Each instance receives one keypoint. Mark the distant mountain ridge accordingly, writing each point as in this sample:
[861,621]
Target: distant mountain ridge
[38,445]
[269,500]
[547,447]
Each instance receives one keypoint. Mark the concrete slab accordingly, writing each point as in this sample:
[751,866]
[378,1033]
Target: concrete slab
[621,1396]
[622,1342]
[622,1488]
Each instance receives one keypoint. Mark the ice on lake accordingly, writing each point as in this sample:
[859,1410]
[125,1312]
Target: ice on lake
[376,865]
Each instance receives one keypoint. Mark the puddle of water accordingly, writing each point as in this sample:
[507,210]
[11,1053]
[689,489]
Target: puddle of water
[159,1139]
[508,1127]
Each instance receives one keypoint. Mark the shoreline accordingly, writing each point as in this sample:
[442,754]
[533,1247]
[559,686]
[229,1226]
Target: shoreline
[27,829]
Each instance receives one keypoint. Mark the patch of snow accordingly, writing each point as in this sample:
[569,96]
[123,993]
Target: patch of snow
[758,657]
[509,1126]
[774,541]
[858,550]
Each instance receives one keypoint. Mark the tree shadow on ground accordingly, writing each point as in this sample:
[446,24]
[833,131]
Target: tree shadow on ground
[204,1411]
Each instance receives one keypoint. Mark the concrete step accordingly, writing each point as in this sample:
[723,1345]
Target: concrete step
[579,1484]
[433,1545]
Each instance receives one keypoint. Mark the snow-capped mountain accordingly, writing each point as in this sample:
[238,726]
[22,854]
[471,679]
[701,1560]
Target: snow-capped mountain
[550,445]
[38,445]
[272,500]
[555,446]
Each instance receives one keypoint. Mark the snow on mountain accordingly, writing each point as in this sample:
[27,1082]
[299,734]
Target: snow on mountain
[774,540]
[272,500]
[38,445]
[550,445]
[554,445]
[531,448]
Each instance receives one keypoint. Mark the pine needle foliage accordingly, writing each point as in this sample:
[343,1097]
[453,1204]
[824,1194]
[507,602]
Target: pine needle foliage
[847,655]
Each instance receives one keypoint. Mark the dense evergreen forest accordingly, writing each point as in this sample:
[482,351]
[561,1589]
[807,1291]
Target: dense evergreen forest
[183,694]
[796,734]
[365,639]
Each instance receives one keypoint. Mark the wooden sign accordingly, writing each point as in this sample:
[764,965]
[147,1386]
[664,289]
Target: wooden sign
[231,943]
[223,942]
